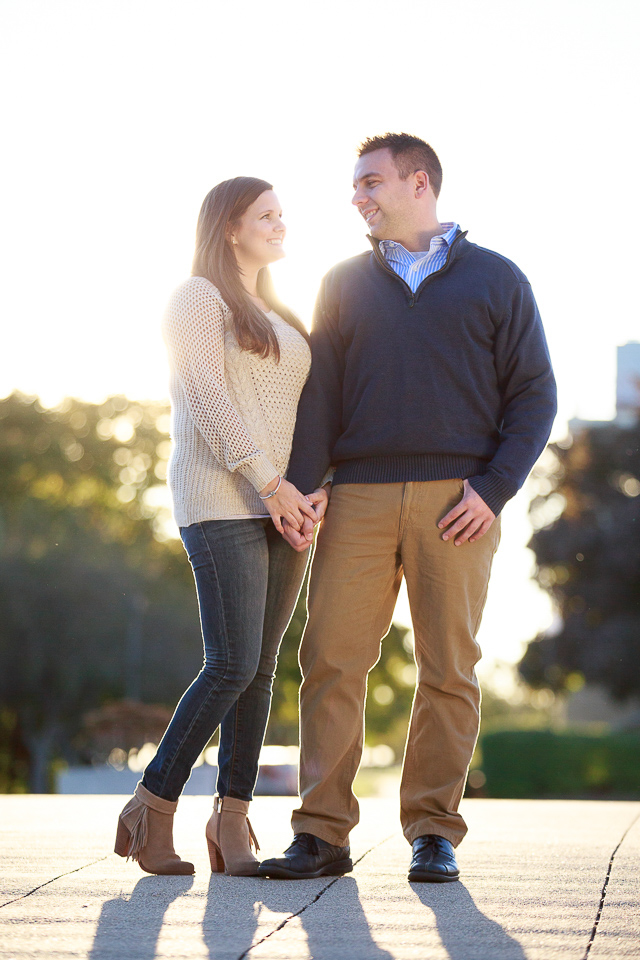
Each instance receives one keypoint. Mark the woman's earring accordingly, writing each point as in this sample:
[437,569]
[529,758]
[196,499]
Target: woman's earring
[234,241]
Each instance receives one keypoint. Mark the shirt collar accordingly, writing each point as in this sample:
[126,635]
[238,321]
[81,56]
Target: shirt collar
[392,250]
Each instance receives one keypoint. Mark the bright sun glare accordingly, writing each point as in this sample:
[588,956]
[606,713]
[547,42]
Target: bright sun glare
[123,117]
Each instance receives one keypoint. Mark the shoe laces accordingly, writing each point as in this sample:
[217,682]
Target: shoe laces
[432,841]
[307,841]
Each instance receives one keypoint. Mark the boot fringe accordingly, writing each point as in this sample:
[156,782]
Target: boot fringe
[139,831]
[252,837]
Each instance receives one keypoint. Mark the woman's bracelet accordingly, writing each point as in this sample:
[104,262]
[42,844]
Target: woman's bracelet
[273,492]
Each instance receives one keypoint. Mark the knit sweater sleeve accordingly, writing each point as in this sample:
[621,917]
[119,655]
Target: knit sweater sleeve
[319,419]
[194,334]
[528,389]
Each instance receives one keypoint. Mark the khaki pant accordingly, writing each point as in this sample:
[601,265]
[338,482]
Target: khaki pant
[372,535]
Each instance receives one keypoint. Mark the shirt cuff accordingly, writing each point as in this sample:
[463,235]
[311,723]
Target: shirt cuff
[259,471]
[328,477]
[492,489]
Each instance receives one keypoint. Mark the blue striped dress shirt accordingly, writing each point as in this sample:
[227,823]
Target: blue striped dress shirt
[414,267]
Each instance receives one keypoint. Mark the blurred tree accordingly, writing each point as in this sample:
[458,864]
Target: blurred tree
[14,756]
[283,722]
[96,601]
[390,691]
[102,466]
[587,548]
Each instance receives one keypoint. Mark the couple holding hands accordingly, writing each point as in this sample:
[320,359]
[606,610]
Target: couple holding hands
[402,425]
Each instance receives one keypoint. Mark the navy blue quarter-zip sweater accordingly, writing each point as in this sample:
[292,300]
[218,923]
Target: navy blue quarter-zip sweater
[453,380]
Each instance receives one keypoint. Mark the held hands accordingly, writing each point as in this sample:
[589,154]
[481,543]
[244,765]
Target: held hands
[472,518]
[301,539]
[288,505]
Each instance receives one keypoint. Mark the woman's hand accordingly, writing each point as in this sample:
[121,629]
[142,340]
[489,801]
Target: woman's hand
[288,503]
[301,539]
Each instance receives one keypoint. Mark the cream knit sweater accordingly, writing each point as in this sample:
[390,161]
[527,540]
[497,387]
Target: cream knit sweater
[233,413]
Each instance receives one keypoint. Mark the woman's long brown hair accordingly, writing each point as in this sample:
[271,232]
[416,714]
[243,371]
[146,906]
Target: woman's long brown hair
[214,259]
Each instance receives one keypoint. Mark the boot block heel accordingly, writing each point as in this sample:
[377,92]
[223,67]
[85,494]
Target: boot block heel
[123,838]
[216,858]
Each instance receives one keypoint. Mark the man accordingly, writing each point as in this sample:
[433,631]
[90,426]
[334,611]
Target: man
[432,395]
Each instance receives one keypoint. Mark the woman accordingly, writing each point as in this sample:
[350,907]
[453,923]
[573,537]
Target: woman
[239,359]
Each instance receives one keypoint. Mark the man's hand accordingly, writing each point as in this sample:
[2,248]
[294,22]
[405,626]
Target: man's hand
[320,501]
[470,519]
[300,540]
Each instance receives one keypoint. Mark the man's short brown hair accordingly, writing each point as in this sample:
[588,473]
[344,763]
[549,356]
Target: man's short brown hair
[409,155]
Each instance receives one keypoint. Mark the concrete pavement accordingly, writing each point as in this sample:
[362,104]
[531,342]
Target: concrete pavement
[532,883]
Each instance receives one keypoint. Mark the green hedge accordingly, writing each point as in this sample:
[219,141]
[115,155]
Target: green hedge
[540,763]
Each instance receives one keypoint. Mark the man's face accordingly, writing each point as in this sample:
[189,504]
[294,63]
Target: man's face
[386,202]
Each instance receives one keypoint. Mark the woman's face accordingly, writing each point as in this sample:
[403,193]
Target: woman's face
[257,237]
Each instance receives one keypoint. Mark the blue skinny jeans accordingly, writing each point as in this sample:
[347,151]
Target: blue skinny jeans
[248,580]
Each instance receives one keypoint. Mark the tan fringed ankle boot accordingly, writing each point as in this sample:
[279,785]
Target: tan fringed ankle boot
[145,833]
[229,838]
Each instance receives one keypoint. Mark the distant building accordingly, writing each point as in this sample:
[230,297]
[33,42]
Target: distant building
[628,384]
[627,391]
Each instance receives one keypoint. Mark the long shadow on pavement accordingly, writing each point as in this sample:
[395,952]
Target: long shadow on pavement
[465,931]
[130,926]
[231,920]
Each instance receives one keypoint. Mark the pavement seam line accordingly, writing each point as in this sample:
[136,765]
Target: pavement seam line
[604,889]
[292,916]
[53,880]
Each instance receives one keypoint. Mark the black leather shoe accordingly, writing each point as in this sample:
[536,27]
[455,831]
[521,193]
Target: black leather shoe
[308,857]
[433,860]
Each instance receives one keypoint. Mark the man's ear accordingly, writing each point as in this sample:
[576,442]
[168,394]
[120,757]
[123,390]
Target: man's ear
[422,183]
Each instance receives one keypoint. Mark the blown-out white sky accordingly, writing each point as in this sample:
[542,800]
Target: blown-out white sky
[122,115]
